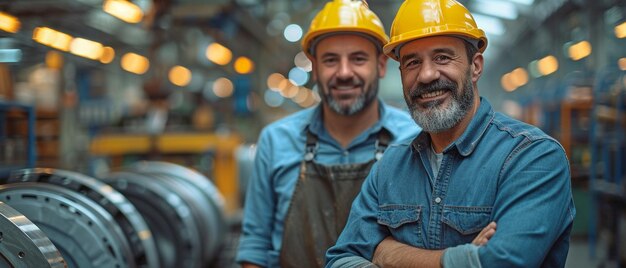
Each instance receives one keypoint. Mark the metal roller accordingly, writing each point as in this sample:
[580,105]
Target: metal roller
[136,231]
[23,244]
[205,199]
[166,208]
[84,232]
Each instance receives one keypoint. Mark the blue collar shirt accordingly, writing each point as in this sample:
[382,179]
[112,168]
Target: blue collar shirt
[498,170]
[280,150]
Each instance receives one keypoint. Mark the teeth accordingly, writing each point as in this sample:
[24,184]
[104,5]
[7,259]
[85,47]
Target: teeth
[433,94]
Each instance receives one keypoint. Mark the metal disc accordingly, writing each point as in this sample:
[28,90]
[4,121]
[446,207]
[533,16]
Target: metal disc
[23,244]
[207,200]
[135,229]
[168,214]
[84,233]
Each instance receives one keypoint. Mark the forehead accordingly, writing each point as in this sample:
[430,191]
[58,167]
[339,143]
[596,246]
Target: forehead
[428,44]
[345,43]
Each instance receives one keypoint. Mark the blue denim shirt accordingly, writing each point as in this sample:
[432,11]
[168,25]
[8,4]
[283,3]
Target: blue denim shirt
[280,150]
[499,170]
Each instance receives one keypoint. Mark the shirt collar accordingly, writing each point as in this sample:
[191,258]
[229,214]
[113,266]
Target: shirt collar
[385,121]
[470,137]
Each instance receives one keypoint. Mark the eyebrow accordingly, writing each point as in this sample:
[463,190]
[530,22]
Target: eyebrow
[356,53]
[437,50]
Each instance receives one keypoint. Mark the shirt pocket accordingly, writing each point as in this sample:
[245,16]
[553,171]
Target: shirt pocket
[462,224]
[404,222]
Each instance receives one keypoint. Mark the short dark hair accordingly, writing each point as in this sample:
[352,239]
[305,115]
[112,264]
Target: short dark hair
[470,49]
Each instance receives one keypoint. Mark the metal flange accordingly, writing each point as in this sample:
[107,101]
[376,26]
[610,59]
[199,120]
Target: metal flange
[23,244]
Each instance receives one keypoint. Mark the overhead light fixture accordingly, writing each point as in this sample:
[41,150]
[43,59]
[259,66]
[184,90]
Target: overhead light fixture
[108,53]
[579,50]
[244,65]
[548,65]
[620,30]
[135,63]
[86,48]
[180,76]
[519,77]
[219,54]
[52,38]
[123,10]
[9,23]
[500,9]
[489,24]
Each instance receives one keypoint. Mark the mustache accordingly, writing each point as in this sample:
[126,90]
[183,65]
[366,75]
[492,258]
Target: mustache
[353,81]
[440,84]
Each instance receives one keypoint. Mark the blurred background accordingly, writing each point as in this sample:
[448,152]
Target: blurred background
[91,86]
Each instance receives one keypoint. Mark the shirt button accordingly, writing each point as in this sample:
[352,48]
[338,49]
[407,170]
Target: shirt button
[438,200]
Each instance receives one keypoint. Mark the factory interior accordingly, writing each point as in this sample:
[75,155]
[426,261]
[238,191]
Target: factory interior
[128,128]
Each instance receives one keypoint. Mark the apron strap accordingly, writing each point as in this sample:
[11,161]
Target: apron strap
[382,142]
[384,138]
[311,146]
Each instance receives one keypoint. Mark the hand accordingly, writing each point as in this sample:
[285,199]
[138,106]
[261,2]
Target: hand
[485,234]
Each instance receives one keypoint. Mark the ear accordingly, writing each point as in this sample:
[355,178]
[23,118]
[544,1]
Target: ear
[382,65]
[477,66]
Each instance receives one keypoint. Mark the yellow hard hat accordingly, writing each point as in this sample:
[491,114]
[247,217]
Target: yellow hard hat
[344,16]
[422,18]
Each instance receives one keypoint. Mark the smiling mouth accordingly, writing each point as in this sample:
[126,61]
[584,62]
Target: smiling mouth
[432,94]
[346,87]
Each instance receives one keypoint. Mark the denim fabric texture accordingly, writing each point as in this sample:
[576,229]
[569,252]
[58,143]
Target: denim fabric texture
[499,170]
[280,149]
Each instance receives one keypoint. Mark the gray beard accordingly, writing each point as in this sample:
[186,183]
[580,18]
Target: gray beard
[359,104]
[435,118]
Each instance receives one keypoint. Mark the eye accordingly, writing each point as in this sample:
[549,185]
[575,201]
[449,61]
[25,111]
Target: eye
[442,59]
[359,60]
[411,64]
[329,61]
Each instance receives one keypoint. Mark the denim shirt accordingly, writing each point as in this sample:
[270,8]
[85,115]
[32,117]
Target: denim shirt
[280,149]
[499,170]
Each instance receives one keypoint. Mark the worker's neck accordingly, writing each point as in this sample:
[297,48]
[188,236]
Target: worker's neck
[344,128]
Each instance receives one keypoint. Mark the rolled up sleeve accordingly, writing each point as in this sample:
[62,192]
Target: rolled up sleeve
[256,242]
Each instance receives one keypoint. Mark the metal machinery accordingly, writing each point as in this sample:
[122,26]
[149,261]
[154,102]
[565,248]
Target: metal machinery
[151,214]
[23,243]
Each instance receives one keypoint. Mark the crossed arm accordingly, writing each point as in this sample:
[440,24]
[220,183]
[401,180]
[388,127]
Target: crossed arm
[391,253]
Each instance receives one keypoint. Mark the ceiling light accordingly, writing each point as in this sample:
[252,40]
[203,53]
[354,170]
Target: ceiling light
[135,63]
[620,30]
[179,76]
[548,65]
[86,48]
[9,23]
[218,54]
[579,50]
[244,65]
[123,10]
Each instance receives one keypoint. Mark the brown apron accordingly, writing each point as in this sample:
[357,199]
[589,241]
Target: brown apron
[320,205]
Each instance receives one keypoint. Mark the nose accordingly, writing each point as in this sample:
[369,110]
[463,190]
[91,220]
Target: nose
[428,72]
[345,69]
